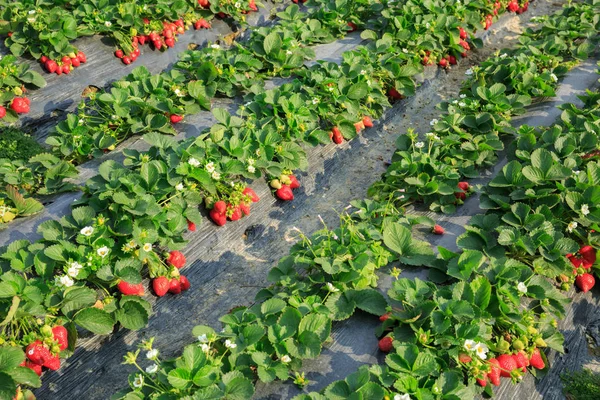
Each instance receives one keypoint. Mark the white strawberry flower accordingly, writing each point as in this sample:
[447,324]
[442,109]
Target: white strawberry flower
[152,369]
[138,381]
[402,397]
[463,96]
[108,24]
[216,176]
[585,209]
[230,345]
[289,53]
[31,12]
[469,72]
[419,145]
[433,122]
[210,167]
[554,78]
[103,251]
[193,162]
[405,51]
[462,104]
[576,172]
[332,288]
[363,72]
[522,288]
[178,92]
[179,186]
[286,359]
[152,354]
[31,20]
[238,4]
[455,102]
[503,55]
[331,88]
[251,169]
[481,349]
[205,347]
[203,338]
[428,25]
[64,280]
[251,161]
[74,269]
[87,231]
[572,226]
[215,46]
[469,345]
[315,101]
[147,247]
[81,121]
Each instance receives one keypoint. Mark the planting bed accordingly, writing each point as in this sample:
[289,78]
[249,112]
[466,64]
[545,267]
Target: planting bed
[228,266]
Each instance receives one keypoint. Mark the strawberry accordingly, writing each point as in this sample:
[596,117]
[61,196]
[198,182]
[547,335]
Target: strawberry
[43,59]
[170,42]
[191,226]
[245,208]
[167,33]
[482,381]
[53,363]
[32,366]
[460,195]
[249,192]
[438,230]
[160,285]
[37,353]
[236,214]
[464,45]
[2,112]
[75,62]
[126,60]
[51,66]
[452,60]
[588,255]
[61,335]
[385,317]
[464,186]
[367,122]
[536,360]
[521,360]
[218,218]
[337,136]
[352,26]
[204,3]
[252,5]
[176,259]
[66,69]
[359,126]
[464,358]
[284,193]
[185,283]
[220,207]
[386,344]
[462,33]
[82,57]
[66,60]
[394,94]
[175,286]
[494,374]
[507,364]
[175,118]
[129,289]
[58,70]
[443,63]
[513,6]
[20,105]
[294,184]
[142,40]
[585,282]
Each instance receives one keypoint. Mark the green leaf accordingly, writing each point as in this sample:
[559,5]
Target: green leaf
[11,357]
[8,387]
[237,387]
[179,378]
[272,42]
[94,320]
[25,376]
[397,237]
[132,315]
[369,300]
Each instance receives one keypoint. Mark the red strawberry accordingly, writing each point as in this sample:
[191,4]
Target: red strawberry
[252,5]
[175,118]
[81,56]
[494,374]
[249,192]
[142,40]
[204,3]
[588,254]
[452,60]
[585,282]
[66,69]
[285,193]
[386,344]
[337,136]
[185,283]
[220,207]
[218,218]
[463,186]
[359,126]
[37,353]
[536,360]
[43,59]
[295,184]
[385,317]
[236,214]
[20,105]
[464,358]
[175,286]
[443,63]
[367,122]
[32,366]
[462,33]
[465,45]
[245,208]
[352,26]
[53,363]
[575,260]
[160,285]
[59,70]
[130,289]
[51,66]
[61,335]
[507,364]
[2,112]
[170,42]
[176,259]
[66,60]
[191,226]
[75,62]
[482,381]
[438,230]
[460,195]
[126,60]
[521,360]
[167,33]
[394,94]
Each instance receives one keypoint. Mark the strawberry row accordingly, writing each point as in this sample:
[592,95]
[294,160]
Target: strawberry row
[129,213]
[454,327]
[16,80]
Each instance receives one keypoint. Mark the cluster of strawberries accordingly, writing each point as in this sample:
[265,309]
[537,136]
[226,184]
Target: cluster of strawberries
[514,6]
[20,105]
[45,353]
[222,211]
[364,123]
[448,60]
[582,263]
[65,65]
[162,40]
[251,4]
[464,189]
[284,186]
[505,366]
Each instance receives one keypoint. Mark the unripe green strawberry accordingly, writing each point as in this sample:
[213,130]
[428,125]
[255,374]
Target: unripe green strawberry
[275,184]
